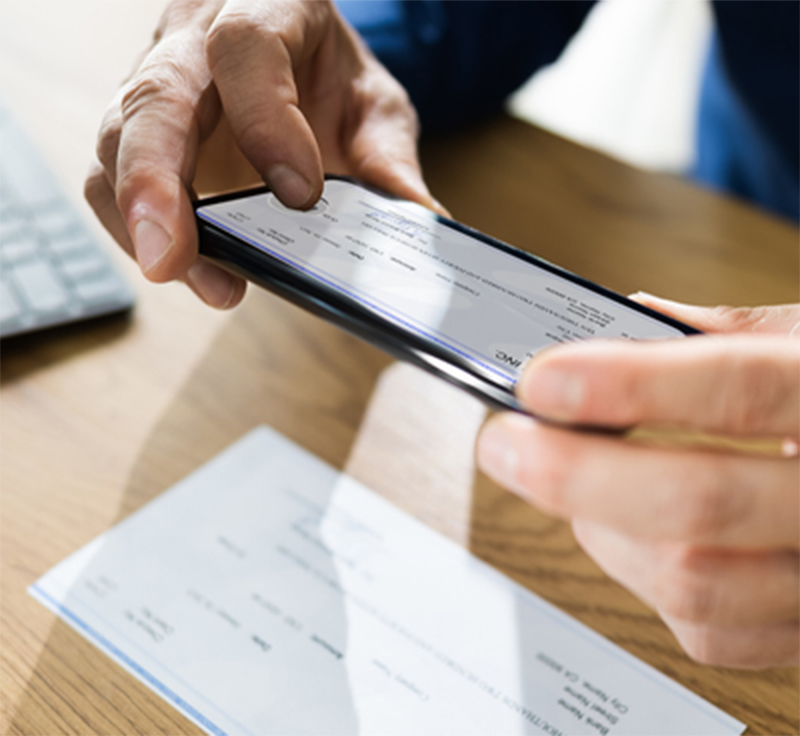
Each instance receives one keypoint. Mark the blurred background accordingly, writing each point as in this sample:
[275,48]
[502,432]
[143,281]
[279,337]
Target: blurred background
[628,83]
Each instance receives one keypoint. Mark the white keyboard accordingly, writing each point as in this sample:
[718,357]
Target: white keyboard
[52,270]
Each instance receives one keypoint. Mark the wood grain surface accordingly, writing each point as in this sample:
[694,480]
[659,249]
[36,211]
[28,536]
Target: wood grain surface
[96,422]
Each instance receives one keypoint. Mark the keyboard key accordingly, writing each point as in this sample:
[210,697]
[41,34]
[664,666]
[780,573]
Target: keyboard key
[9,214]
[85,266]
[11,230]
[16,251]
[54,221]
[40,287]
[10,308]
[12,224]
[100,290]
[74,245]
[8,203]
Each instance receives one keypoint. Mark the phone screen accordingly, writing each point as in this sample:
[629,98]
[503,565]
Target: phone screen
[480,299]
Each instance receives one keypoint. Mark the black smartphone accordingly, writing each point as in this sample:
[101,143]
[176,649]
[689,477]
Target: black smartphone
[426,289]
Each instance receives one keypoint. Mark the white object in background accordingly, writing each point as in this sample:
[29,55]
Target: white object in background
[268,593]
[628,83]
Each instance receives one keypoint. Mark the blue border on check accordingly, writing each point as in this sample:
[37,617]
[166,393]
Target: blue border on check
[134,666]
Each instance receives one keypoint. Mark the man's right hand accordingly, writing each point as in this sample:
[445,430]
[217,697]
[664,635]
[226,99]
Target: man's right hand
[287,83]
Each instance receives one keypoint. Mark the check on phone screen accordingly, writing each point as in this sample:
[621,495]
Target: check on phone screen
[478,299]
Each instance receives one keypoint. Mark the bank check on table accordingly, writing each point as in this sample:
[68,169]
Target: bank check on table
[269,594]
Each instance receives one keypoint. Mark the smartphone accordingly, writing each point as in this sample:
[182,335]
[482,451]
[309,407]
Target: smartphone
[428,290]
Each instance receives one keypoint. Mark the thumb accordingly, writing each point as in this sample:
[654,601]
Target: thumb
[783,319]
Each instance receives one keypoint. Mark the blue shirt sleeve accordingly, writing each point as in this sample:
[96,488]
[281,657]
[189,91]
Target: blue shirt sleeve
[748,133]
[460,60]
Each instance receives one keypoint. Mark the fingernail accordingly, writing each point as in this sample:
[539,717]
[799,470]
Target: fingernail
[151,243]
[790,447]
[291,188]
[211,284]
[646,297]
[553,393]
[497,453]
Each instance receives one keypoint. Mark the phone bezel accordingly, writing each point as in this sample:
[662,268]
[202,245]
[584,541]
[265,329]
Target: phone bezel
[272,273]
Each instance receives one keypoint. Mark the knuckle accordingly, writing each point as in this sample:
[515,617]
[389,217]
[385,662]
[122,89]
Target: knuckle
[632,396]
[230,34]
[162,185]
[708,503]
[682,591]
[619,389]
[724,647]
[400,108]
[712,646]
[756,393]
[380,93]
[546,475]
[391,95]
[163,81]
[108,140]
[257,131]
[701,643]
[96,188]
[735,319]
[402,114]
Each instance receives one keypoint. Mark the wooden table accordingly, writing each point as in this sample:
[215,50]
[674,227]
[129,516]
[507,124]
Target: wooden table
[95,422]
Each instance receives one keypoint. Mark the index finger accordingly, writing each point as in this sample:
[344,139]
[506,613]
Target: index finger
[252,52]
[163,108]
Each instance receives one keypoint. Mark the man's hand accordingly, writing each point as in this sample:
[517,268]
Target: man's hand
[709,539]
[288,84]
